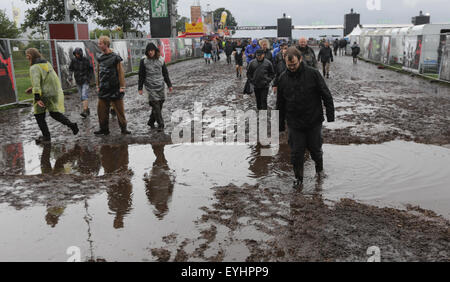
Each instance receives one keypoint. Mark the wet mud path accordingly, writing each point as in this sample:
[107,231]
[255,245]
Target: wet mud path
[142,198]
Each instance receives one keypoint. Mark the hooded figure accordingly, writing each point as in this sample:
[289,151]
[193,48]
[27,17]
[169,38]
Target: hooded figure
[153,74]
[83,72]
[355,52]
[251,50]
[48,94]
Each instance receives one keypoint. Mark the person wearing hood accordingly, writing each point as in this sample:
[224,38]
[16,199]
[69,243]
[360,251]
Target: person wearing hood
[335,46]
[110,87]
[153,74]
[83,72]
[309,57]
[250,51]
[229,50]
[277,50]
[301,93]
[264,43]
[342,46]
[207,51]
[355,52]
[48,95]
[326,57]
[260,73]
[280,64]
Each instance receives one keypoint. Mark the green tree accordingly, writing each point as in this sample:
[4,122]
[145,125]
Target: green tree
[181,23]
[51,10]
[231,21]
[7,27]
[128,15]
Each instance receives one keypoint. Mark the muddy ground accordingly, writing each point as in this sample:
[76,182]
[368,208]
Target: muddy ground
[246,222]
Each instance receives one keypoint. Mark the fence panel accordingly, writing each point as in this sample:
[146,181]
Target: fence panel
[445,58]
[22,65]
[14,66]
[8,92]
[425,54]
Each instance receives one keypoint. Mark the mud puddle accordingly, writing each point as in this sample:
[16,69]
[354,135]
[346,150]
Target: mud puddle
[163,191]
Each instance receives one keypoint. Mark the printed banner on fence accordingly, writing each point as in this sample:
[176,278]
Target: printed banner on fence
[65,56]
[91,51]
[7,88]
[445,60]
[413,50]
[121,48]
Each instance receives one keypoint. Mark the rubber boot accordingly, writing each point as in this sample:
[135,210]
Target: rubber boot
[298,183]
[124,131]
[40,119]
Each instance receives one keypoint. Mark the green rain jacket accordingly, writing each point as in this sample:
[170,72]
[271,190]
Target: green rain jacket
[46,87]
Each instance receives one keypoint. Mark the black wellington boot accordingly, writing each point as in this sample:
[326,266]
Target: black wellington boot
[298,183]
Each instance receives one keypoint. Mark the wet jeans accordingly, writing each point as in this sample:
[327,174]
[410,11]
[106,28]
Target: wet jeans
[310,139]
[261,98]
[156,114]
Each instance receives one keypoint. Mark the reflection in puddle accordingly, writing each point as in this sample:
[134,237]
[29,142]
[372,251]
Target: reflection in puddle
[162,187]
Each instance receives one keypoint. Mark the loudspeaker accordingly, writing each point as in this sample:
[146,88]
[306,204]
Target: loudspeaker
[285,27]
[350,22]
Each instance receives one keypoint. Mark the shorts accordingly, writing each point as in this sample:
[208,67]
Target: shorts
[83,90]
[207,56]
[239,61]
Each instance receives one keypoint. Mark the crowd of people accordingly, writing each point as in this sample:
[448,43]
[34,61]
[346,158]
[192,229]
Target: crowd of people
[292,70]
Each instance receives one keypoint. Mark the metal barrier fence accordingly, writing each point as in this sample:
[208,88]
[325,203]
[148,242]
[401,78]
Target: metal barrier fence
[14,66]
[427,54]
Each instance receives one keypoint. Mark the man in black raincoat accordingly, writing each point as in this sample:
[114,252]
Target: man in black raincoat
[301,92]
[110,87]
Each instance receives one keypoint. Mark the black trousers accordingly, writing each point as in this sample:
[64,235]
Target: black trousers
[156,114]
[42,123]
[261,98]
[310,139]
[228,59]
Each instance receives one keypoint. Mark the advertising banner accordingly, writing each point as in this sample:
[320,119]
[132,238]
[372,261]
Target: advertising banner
[7,87]
[159,9]
[194,28]
[413,51]
[445,61]
[65,56]
[386,49]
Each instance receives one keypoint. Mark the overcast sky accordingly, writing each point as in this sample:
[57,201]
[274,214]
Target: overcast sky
[307,12]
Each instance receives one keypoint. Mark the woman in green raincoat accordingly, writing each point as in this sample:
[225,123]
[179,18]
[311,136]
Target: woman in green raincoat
[48,94]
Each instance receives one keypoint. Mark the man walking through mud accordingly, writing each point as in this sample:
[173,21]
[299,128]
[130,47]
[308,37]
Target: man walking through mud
[83,71]
[280,64]
[326,57]
[153,74]
[238,51]
[110,87]
[307,52]
[301,91]
[48,95]
[260,73]
[207,51]
[250,51]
